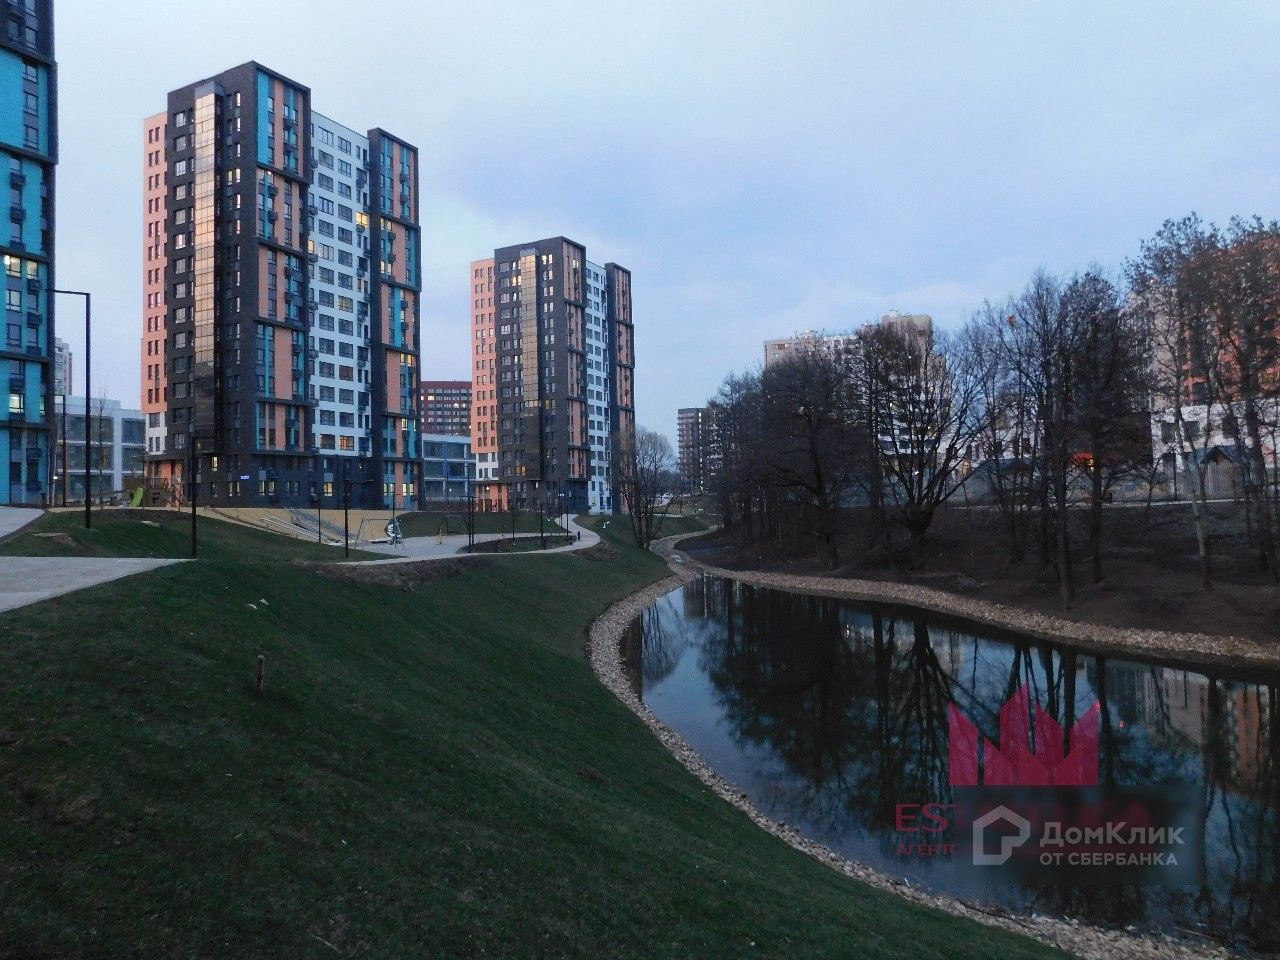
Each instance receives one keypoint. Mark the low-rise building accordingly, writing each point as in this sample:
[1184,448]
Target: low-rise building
[113,441]
[448,468]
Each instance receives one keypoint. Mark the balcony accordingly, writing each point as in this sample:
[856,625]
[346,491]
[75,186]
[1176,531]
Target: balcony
[16,213]
[17,179]
[17,385]
[33,319]
[33,285]
[271,190]
[33,350]
[272,216]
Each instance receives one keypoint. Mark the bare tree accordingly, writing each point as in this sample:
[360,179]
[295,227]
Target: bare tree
[1009,427]
[809,441]
[643,468]
[1035,344]
[1237,282]
[1111,364]
[927,391]
[1185,352]
[736,439]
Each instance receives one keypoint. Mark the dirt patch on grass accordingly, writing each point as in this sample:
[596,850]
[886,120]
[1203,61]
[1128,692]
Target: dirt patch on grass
[599,551]
[402,575]
[519,544]
[62,539]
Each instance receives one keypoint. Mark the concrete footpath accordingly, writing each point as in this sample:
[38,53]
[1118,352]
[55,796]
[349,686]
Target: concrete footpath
[415,549]
[26,580]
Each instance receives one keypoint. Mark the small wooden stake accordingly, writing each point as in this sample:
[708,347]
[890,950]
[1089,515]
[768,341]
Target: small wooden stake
[262,661]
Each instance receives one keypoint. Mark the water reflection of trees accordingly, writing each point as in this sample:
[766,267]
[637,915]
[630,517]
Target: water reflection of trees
[851,705]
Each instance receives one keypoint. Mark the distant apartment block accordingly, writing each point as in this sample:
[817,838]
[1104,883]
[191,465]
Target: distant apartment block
[553,377]
[29,149]
[775,351]
[62,372]
[448,468]
[113,438]
[281,300]
[693,434]
[446,406]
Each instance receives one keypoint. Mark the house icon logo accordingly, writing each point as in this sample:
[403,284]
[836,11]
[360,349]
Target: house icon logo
[1033,751]
[1007,843]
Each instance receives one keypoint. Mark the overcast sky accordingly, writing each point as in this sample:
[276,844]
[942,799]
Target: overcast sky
[761,167]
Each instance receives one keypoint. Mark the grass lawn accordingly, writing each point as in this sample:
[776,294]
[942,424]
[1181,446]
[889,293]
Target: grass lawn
[158,533]
[427,524]
[519,544]
[674,523]
[430,772]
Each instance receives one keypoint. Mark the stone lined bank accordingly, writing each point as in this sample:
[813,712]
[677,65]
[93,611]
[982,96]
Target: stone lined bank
[604,653]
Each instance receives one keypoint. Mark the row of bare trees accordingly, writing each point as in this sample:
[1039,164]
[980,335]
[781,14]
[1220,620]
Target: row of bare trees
[1037,407]
[1210,299]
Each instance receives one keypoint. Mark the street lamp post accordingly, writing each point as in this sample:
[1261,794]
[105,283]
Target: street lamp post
[346,509]
[88,392]
[192,489]
[471,521]
[542,533]
[64,449]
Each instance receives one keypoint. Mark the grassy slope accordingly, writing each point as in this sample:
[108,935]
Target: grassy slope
[433,772]
[119,533]
[427,524]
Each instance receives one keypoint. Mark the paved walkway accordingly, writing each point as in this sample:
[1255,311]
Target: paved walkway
[414,549]
[13,519]
[25,580]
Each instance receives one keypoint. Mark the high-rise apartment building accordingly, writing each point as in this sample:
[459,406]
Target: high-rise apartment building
[282,276]
[29,147]
[693,434]
[446,406]
[62,368]
[553,377]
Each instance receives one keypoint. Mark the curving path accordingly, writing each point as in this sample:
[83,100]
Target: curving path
[415,549]
[27,580]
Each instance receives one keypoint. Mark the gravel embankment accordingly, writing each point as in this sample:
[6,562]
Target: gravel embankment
[603,648]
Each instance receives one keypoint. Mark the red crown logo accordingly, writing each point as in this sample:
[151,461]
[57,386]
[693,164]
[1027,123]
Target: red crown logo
[1015,763]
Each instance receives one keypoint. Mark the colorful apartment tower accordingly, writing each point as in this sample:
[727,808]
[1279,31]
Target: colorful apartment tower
[29,147]
[553,377]
[282,278]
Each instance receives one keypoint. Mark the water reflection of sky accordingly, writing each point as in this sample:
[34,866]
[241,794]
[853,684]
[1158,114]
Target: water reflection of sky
[826,714]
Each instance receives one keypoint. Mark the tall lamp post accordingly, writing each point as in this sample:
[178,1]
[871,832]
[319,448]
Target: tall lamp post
[64,446]
[88,393]
[192,489]
[346,508]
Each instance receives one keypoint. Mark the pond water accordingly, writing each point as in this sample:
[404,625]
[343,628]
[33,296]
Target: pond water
[829,714]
